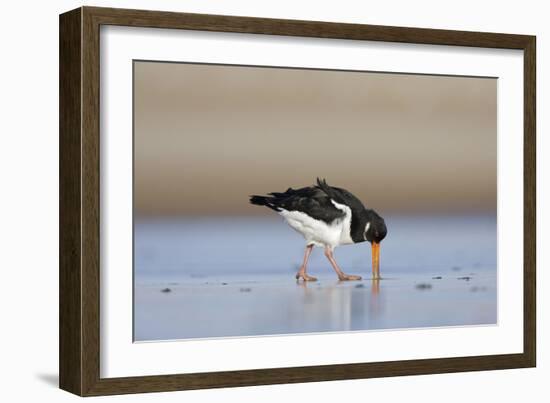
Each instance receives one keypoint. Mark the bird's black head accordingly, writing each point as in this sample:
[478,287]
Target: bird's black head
[375,230]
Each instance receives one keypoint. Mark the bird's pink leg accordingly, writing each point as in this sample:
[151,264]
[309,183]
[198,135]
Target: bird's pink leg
[302,272]
[341,275]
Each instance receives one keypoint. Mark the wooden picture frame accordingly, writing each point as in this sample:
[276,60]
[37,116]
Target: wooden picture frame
[79,201]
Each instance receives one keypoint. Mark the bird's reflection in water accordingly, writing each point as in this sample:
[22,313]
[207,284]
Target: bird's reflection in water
[375,303]
[340,305]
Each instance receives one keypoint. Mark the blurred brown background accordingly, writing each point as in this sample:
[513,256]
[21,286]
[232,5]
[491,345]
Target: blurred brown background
[208,136]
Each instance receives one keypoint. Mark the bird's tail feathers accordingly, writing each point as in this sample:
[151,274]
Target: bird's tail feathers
[264,201]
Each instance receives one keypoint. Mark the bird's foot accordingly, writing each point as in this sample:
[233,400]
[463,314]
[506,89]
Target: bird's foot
[304,276]
[348,277]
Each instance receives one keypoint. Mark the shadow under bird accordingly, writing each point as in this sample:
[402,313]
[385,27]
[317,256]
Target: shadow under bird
[328,217]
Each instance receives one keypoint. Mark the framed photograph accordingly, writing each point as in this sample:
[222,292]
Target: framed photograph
[248,201]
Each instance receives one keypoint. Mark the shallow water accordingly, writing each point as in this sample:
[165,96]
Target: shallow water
[198,278]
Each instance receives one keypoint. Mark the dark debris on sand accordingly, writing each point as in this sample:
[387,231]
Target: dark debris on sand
[245,289]
[466,278]
[360,286]
[165,290]
[437,278]
[423,286]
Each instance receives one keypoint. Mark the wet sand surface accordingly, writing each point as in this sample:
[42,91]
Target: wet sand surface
[237,306]
[234,278]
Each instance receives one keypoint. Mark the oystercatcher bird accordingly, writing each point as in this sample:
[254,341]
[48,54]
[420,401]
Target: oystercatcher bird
[327,217]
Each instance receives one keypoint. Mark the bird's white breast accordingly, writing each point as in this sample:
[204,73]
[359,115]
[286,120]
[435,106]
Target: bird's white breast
[317,231]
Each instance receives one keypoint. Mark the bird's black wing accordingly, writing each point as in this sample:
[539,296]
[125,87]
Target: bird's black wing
[309,200]
[341,196]
[359,218]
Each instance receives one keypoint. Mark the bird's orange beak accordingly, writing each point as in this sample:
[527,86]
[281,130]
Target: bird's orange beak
[375,261]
